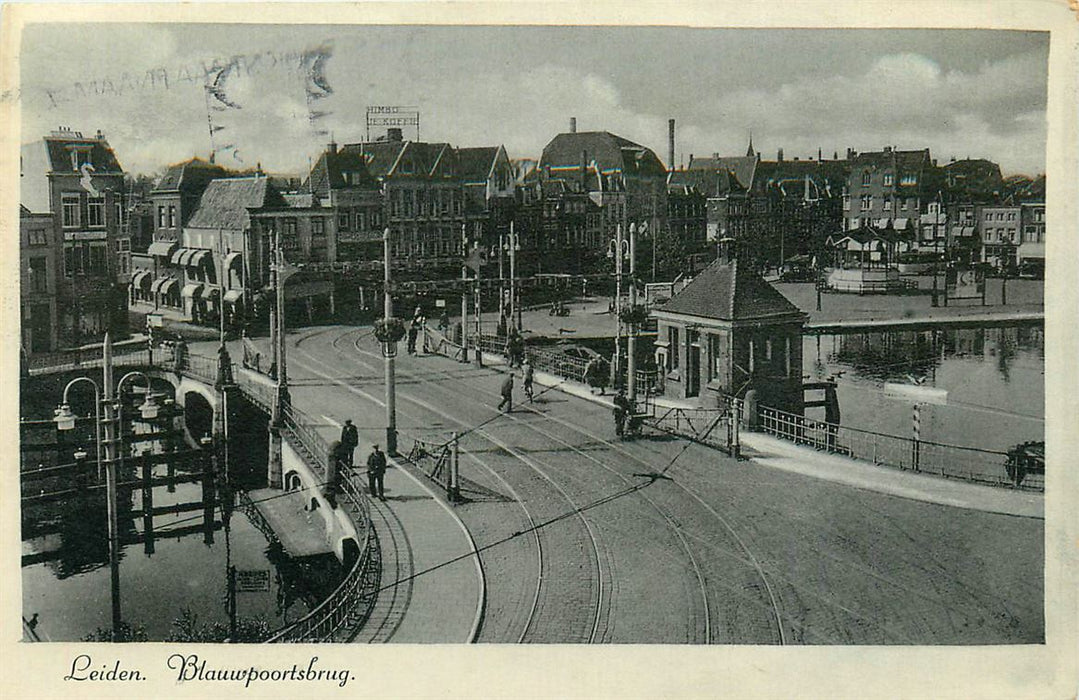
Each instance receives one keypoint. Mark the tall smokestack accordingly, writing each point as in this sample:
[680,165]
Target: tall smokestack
[670,144]
[573,125]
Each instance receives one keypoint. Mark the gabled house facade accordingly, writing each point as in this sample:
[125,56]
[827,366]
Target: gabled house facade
[76,183]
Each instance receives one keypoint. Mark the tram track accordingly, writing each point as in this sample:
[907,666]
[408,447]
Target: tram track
[529,629]
[772,596]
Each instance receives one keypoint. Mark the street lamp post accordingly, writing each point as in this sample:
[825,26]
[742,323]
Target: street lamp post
[513,244]
[617,250]
[65,420]
[464,293]
[632,367]
[389,350]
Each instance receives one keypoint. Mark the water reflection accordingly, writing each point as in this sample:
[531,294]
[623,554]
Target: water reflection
[181,532]
[994,378]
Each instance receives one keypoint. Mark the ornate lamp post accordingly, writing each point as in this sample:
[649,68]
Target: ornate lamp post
[65,420]
[512,244]
[388,331]
[617,250]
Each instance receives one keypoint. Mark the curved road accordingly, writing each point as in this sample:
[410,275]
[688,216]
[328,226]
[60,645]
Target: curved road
[584,539]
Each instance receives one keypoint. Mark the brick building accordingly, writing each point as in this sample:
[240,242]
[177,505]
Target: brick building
[76,184]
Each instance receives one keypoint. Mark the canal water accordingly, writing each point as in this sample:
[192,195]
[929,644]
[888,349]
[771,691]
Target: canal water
[995,379]
[180,571]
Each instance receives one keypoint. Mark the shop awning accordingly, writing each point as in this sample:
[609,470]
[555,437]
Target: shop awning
[176,255]
[169,286]
[191,291]
[163,285]
[1028,251]
[142,279]
[185,257]
[197,256]
[233,295]
[900,224]
[231,258]
[161,248]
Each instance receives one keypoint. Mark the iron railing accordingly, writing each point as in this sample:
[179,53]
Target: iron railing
[90,358]
[953,461]
[350,603]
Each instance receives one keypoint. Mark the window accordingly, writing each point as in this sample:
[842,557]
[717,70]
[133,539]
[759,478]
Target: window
[887,204]
[95,210]
[903,204]
[70,205]
[342,219]
[119,213]
[672,348]
[867,201]
[37,237]
[317,227]
[361,223]
[172,216]
[39,274]
[161,216]
[867,178]
[889,179]
[908,179]
[1011,216]
[768,349]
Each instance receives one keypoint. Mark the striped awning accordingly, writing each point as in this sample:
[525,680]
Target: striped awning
[231,258]
[161,248]
[191,291]
[142,278]
[233,295]
[169,286]
[163,285]
[176,255]
[197,256]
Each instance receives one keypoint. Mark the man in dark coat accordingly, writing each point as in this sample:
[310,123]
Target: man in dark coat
[621,410]
[349,440]
[376,470]
[507,394]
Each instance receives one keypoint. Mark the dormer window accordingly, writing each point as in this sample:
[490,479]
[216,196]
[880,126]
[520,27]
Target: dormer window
[909,179]
[867,178]
[889,179]
[79,155]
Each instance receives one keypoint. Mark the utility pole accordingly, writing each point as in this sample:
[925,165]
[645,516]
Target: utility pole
[616,364]
[464,293]
[387,314]
[632,305]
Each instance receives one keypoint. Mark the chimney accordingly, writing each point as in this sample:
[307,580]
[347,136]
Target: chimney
[395,134]
[573,125]
[331,147]
[835,155]
[850,153]
[779,155]
[100,136]
[670,144]
[887,149]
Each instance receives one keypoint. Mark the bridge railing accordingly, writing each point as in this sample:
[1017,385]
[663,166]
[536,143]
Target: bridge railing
[953,461]
[90,358]
[347,603]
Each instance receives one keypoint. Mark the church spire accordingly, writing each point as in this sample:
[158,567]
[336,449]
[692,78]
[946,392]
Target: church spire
[749,151]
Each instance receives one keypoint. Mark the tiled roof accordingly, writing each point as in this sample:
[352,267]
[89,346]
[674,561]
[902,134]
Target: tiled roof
[101,155]
[327,173]
[743,168]
[708,183]
[474,164]
[788,177]
[225,202]
[728,291]
[191,175]
[379,155]
[610,152]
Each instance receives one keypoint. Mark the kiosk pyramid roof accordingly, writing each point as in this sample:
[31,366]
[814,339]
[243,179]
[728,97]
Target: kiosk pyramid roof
[728,291]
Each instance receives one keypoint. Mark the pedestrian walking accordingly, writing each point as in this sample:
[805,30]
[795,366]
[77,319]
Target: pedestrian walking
[507,394]
[621,410]
[376,471]
[443,321]
[413,331]
[528,380]
[349,440]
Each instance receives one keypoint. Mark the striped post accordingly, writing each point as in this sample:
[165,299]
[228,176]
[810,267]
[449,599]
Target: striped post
[917,418]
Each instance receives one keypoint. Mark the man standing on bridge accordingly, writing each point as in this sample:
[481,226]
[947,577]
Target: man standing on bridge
[349,439]
[376,470]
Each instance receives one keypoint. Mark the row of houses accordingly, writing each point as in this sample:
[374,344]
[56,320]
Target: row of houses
[198,244]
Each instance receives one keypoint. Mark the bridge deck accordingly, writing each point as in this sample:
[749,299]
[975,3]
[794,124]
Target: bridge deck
[301,531]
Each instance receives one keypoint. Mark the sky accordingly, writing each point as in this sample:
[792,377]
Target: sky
[961,93]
